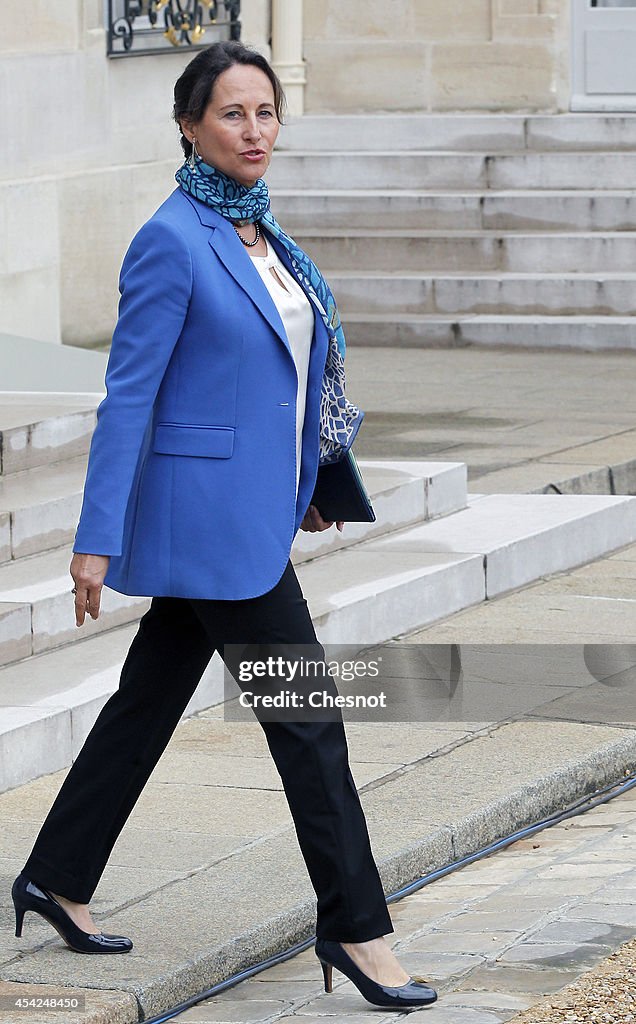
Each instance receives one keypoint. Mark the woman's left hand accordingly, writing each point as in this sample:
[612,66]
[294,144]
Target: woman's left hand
[313,521]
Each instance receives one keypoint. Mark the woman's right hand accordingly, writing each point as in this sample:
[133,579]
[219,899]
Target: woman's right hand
[313,521]
[88,572]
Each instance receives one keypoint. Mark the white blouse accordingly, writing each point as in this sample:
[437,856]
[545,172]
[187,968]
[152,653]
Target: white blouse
[296,312]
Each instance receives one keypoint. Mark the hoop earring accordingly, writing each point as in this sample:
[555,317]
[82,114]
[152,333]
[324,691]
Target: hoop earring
[193,155]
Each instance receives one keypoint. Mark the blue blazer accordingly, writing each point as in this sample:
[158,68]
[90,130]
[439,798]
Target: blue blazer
[191,477]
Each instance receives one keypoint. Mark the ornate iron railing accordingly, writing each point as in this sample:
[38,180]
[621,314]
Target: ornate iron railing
[138,27]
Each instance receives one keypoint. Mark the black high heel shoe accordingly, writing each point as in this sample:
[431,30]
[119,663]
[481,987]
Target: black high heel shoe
[28,895]
[414,992]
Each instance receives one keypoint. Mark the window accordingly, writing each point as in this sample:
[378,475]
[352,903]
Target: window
[141,27]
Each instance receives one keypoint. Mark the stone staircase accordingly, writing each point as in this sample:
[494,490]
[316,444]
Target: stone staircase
[456,229]
[433,550]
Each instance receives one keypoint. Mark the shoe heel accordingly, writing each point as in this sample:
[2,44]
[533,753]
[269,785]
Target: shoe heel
[326,973]
[28,895]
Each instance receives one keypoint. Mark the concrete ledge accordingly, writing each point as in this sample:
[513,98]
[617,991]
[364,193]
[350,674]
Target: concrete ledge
[27,364]
[403,493]
[494,132]
[432,330]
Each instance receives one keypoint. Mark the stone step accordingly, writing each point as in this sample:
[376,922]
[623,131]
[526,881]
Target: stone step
[490,132]
[351,132]
[43,369]
[50,701]
[40,507]
[516,538]
[499,293]
[38,589]
[560,210]
[37,429]
[398,169]
[572,170]
[378,170]
[410,330]
[402,493]
[365,594]
[581,131]
[471,209]
[464,251]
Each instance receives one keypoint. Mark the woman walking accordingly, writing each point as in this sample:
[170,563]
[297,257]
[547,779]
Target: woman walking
[225,386]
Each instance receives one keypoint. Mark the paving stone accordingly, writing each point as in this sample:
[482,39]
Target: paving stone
[408,916]
[558,889]
[31,802]
[399,742]
[503,871]
[375,1017]
[458,941]
[556,954]
[179,766]
[623,853]
[137,848]
[261,988]
[249,812]
[497,1001]
[465,1015]
[301,967]
[504,977]
[575,832]
[627,880]
[510,920]
[503,900]
[588,870]
[607,913]
[453,889]
[596,703]
[611,816]
[345,999]
[438,966]
[616,895]
[583,932]
[232,1012]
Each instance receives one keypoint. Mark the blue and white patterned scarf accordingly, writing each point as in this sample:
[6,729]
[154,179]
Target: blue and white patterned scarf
[339,418]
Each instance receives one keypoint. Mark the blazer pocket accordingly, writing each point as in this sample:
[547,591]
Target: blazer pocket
[190,439]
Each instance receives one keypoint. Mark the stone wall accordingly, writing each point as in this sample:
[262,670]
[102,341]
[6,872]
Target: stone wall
[427,55]
[88,150]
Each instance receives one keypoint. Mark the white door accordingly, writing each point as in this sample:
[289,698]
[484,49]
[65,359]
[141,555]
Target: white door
[603,55]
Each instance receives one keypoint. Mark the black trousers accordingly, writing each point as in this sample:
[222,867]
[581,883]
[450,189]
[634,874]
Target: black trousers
[168,655]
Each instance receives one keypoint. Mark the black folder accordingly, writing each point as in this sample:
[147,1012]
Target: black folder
[340,493]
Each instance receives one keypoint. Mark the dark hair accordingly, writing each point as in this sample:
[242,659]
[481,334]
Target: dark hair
[193,89]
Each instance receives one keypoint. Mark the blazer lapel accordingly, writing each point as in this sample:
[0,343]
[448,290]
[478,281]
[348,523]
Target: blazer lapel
[230,250]
[285,259]
[320,341]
